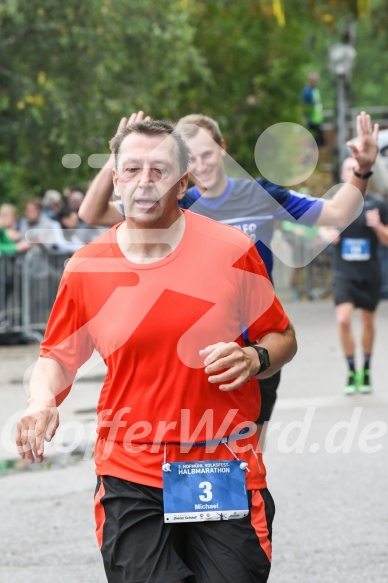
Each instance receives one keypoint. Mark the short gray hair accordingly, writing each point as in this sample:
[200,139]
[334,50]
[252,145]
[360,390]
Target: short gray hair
[153,128]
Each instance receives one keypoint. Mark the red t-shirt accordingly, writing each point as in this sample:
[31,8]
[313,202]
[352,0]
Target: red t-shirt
[148,322]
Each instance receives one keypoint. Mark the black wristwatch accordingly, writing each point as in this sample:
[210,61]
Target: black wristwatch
[263,357]
[363,176]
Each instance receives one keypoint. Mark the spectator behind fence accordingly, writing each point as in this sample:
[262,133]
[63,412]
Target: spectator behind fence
[39,228]
[44,262]
[73,196]
[69,218]
[52,203]
[11,245]
[75,199]
[71,228]
[11,241]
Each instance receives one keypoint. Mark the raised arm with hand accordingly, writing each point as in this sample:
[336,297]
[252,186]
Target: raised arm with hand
[97,207]
[346,205]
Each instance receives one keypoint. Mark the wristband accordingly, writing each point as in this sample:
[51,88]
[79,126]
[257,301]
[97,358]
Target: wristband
[263,357]
[363,176]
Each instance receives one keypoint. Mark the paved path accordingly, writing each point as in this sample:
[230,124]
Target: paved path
[329,486]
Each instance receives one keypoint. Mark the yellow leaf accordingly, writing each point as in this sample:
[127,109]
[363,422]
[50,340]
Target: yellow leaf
[41,77]
[328,18]
[363,6]
[279,12]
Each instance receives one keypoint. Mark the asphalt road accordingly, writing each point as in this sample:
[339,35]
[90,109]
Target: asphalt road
[326,457]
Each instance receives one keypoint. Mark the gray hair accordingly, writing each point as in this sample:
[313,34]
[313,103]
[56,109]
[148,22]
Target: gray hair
[153,128]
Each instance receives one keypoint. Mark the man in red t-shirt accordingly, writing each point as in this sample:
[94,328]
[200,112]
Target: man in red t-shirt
[165,297]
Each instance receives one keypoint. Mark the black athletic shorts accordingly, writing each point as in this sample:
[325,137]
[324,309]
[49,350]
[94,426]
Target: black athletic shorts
[138,547]
[362,294]
[268,388]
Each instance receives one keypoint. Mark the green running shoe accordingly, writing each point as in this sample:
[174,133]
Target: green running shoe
[351,383]
[364,384]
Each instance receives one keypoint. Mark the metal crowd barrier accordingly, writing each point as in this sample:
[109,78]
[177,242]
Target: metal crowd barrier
[28,286]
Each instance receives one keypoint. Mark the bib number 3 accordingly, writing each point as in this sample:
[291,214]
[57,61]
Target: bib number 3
[205,490]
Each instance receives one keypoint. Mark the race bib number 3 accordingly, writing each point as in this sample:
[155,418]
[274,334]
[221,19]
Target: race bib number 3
[207,490]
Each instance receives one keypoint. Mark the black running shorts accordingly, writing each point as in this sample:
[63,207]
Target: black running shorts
[363,294]
[268,388]
[138,547]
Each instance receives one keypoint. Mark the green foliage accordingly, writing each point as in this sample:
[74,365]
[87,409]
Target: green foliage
[11,183]
[325,24]
[70,70]
[73,70]
[252,84]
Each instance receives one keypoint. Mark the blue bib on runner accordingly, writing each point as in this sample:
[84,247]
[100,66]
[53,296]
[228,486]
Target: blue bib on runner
[204,490]
[355,249]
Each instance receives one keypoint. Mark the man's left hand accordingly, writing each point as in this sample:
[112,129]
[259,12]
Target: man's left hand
[236,363]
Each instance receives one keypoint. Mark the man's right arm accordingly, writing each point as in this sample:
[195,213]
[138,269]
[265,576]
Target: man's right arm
[97,207]
[50,383]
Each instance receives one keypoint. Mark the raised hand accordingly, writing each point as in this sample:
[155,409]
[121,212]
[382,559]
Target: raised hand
[365,151]
[133,118]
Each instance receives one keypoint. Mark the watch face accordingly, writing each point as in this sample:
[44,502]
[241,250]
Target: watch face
[263,357]
[264,360]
